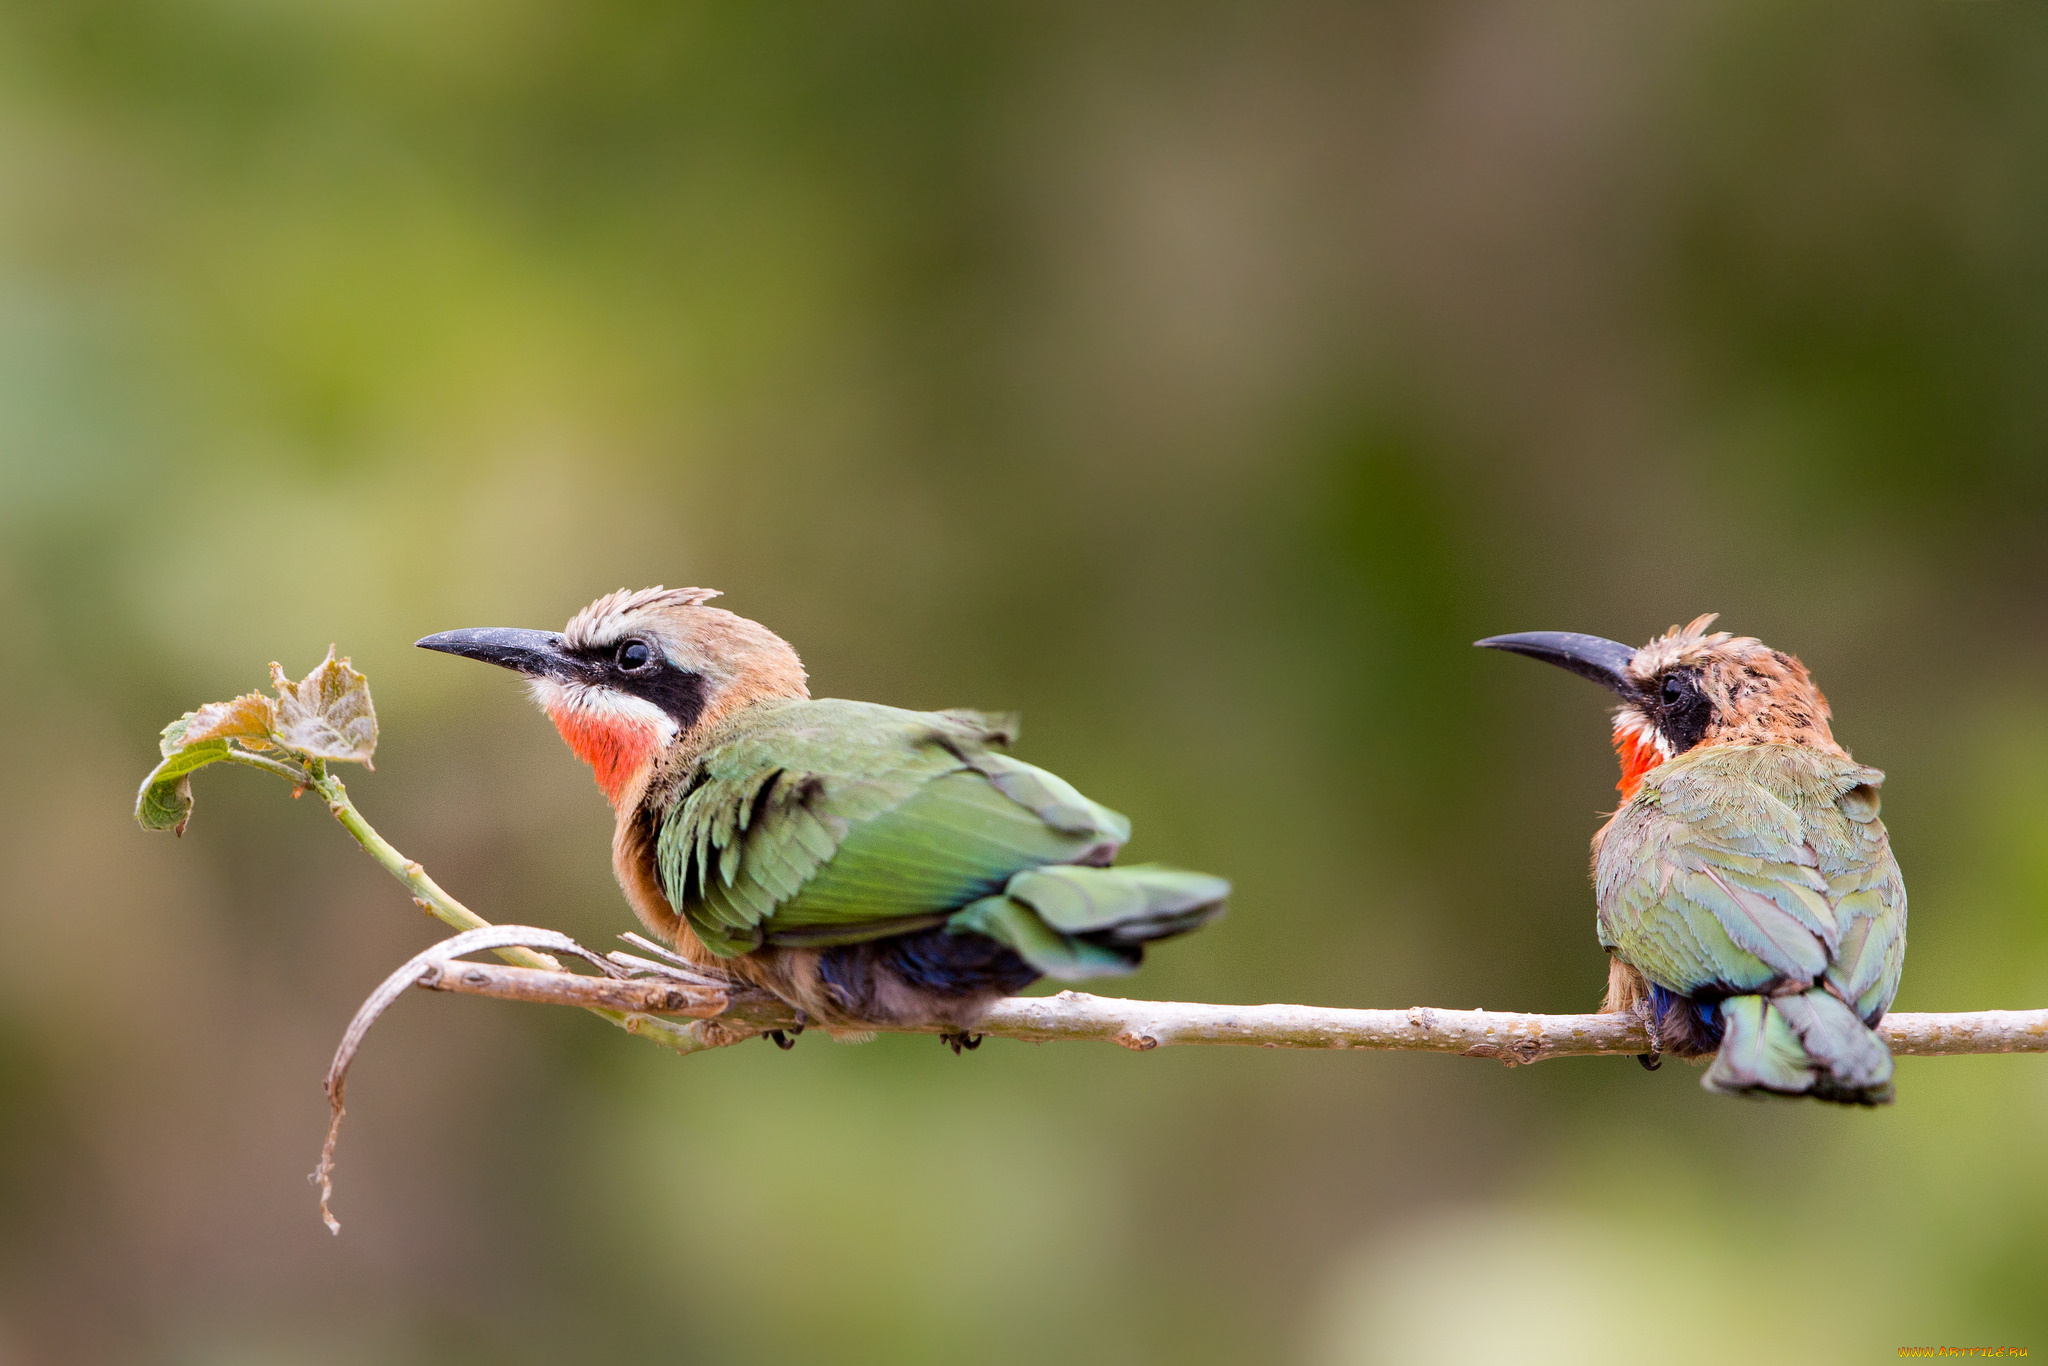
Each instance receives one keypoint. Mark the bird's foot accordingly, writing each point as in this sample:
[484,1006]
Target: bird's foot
[785,1039]
[1653,1059]
[961,1040]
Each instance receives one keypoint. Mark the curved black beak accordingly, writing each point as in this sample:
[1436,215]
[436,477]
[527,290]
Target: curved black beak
[1604,661]
[533,653]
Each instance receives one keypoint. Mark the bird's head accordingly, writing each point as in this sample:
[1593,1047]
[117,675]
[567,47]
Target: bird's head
[635,674]
[1688,688]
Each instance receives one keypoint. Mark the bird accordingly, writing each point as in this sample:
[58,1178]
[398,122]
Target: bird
[871,866]
[1747,893]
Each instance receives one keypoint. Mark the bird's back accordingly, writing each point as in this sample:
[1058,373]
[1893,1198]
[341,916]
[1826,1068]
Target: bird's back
[1738,867]
[810,823]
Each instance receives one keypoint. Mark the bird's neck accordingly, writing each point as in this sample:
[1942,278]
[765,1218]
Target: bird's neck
[1640,749]
[620,747]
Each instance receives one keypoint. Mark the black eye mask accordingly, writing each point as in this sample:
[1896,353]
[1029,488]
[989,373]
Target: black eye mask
[1680,710]
[635,667]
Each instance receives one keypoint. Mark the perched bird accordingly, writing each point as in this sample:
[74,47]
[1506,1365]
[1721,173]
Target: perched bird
[1747,892]
[869,865]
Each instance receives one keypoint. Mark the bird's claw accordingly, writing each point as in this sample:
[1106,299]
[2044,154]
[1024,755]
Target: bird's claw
[785,1039]
[961,1040]
[1653,1059]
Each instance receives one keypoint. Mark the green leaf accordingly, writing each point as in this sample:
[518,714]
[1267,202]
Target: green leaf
[172,738]
[327,714]
[165,802]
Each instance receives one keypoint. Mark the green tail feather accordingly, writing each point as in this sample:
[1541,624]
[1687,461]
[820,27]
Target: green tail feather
[1073,922]
[1810,1044]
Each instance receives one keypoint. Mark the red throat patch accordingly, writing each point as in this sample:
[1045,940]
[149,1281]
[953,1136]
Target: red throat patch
[615,747]
[1638,756]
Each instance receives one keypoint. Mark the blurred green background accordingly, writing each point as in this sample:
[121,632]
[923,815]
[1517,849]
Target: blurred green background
[1200,380]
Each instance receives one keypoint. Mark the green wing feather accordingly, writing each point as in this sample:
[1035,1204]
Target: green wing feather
[1805,1042]
[1870,900]
[1076,922]
[831,822]
[1733,868]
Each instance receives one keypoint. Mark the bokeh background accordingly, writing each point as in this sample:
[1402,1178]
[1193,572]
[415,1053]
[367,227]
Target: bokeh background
[1199,380]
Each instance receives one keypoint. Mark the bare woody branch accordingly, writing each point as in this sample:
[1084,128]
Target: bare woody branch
[723,1013]
[1507,1036]
[653,997]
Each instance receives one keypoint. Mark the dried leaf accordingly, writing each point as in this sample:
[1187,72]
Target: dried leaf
[250,718]
[327,714]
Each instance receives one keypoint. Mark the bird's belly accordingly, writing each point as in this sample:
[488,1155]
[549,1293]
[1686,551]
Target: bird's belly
[931,977]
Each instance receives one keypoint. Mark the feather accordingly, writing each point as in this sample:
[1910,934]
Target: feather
[1750,871]
[834,824]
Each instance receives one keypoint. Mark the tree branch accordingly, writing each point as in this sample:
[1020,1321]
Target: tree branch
[728,1011]
[1508,1036]
[428,896]
[645,996]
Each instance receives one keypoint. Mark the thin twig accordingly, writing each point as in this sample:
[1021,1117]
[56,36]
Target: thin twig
[429,963]
[437,903]
[661,996]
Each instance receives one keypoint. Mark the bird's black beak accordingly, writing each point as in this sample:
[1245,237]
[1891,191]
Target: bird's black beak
[1603,661]
[533,653]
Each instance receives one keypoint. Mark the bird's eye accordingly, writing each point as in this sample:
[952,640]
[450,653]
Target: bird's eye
[635,654]
[1674,690]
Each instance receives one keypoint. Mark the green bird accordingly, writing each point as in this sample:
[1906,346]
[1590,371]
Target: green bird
[867,864]
[1747,891]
